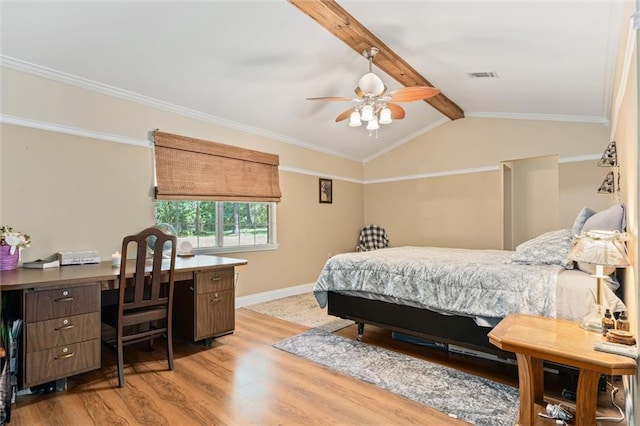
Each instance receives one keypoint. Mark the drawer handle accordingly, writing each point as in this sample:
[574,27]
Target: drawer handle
[215,299]
[64,327]
[65,299]
[215,279]
[65,356]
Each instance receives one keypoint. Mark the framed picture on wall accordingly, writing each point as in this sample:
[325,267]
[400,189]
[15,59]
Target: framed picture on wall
[326,191]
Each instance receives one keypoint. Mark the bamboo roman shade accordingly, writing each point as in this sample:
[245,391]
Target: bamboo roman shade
[195,169]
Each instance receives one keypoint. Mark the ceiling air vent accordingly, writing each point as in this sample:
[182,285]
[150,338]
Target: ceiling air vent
[484,74]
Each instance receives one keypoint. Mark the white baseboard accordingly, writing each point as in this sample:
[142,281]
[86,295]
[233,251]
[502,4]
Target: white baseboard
[266,296]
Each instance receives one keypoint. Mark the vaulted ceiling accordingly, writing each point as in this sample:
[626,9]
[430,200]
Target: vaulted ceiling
[251,64]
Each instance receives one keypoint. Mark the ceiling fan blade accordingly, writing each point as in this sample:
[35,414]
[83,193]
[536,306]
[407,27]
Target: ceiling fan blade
[344,115]
[331,98]
[410,94]
[397,112]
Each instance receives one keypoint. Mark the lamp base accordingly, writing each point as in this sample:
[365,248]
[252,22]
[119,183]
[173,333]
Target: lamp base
[593,320]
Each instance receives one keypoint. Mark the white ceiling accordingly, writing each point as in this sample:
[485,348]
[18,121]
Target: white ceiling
[251,64]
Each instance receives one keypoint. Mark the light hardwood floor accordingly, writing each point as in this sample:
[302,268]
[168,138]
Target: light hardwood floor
[241,379]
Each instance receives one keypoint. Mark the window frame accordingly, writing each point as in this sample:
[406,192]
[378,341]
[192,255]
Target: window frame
[219,225]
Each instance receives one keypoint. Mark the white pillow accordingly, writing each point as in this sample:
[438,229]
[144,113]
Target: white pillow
[611,219]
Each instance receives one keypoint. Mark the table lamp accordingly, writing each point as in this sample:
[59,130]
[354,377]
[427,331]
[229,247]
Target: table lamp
[602,249]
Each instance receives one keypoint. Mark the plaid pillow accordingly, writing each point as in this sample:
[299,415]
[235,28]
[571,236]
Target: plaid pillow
[372,237]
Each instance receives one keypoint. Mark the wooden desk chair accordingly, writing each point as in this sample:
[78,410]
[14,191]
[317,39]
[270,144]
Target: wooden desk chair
[145,304]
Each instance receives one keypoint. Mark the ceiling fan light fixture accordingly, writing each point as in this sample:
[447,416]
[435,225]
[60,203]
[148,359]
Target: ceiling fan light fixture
[385,116]
[371,83]
[354,119]
[367,113]
[374,104]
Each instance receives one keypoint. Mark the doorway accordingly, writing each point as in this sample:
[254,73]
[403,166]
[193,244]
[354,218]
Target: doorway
[530,200]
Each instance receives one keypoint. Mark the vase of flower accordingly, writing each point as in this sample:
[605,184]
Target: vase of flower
[8,261]
[10,244]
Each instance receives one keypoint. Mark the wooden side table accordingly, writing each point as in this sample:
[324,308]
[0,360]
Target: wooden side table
[537,339]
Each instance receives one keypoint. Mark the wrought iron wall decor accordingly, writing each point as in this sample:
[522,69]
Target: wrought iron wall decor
[611,183]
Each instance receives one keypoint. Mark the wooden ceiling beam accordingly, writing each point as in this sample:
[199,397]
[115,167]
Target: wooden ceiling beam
[331,16]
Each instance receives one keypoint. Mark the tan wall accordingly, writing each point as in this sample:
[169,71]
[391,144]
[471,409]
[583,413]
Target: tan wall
[44,100]
[448,211]
[79,192]
[73,193]
[578,185]
[626,137]
[464,209]
[534,198]
[484,142]
[308,232]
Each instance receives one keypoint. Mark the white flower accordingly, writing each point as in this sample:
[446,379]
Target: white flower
[15,240]
[12,239]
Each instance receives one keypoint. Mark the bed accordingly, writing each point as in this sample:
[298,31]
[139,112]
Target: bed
[455,296]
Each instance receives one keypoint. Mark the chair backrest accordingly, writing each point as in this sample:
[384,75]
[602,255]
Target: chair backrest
[144,289]
[372,237]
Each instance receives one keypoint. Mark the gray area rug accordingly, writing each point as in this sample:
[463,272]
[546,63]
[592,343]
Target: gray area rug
[467,397]
[301,309]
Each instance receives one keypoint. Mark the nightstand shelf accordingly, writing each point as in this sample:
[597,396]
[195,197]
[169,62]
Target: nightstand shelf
[537,339]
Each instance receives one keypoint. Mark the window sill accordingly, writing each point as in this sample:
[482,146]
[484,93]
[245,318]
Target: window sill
[239,249]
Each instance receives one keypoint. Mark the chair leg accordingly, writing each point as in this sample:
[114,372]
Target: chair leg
[119,346]
[170,347]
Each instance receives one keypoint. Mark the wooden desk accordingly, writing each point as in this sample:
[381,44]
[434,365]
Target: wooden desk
[537,339]
[60,308]
[103,273]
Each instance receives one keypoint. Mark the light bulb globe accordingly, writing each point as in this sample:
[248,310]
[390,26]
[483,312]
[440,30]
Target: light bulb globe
[371,83]
[367,113]
[354,119]
[385,116]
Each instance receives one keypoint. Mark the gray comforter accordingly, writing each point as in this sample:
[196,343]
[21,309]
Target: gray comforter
[456,281]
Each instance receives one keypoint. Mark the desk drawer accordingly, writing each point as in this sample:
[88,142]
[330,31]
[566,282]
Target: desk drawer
[221,279]
[215,314]
[43,335]
[62,361]
[62,302]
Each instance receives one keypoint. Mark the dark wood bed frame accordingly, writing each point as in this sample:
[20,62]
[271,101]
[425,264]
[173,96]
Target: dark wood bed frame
[451,329]
[431,326]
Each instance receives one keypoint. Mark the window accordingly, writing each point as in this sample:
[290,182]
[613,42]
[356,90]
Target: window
[221,226]
[219,197]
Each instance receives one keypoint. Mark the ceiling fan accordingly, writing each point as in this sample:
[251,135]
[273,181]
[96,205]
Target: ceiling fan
[373,104]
